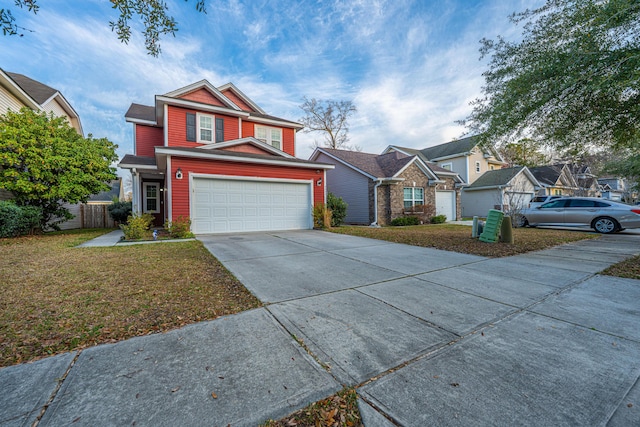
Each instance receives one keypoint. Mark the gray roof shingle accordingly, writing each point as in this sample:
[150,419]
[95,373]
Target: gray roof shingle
[452,148]
[36,90]
[495,178]
[377,165]
[141,112]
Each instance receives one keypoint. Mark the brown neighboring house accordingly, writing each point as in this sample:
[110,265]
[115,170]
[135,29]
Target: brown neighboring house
[380,187]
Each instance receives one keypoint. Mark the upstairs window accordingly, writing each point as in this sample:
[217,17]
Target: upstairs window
[413,196]
[269,135]
[204,128]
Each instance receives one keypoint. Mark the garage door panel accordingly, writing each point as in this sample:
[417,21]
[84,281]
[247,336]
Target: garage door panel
[226,205]
[445,204]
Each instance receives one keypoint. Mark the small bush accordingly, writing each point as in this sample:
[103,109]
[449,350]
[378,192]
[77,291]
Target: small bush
[119,211]
[438,219]
[338,208]
[137,227]
[180,228]
[18,220]
[321,216]
[405,220]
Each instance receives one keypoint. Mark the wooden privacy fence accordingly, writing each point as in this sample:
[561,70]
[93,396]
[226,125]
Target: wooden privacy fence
[95,216]
[88,216]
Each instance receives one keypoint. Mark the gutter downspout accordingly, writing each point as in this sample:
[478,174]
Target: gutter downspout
[375,203]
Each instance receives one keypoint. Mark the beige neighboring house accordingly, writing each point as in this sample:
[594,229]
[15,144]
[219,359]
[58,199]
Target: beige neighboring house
[555,180]
[17,91]
[463,156]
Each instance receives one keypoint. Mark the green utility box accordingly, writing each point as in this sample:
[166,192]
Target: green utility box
[492,226]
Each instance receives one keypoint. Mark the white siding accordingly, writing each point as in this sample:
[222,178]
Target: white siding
[352,186]
[8,101]
[75,222]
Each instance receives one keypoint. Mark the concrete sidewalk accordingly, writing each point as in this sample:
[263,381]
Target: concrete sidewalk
[430,337]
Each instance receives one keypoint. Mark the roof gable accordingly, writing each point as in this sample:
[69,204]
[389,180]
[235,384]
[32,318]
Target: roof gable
[239,98]
[203,96]
[219,97]
[554,175]
[249,145]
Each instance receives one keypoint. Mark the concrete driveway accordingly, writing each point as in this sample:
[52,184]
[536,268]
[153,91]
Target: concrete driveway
[429,337]
[440,338]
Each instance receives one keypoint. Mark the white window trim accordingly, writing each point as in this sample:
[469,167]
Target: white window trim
[144,197]
[444,166]
[213,128]
[269,129]
[478,167]
[413,197]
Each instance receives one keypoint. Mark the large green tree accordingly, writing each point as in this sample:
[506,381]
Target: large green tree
[572,80]
[44,162]
[153,14]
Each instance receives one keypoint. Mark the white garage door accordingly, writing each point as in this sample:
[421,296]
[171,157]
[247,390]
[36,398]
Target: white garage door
[229,205]
[446,204]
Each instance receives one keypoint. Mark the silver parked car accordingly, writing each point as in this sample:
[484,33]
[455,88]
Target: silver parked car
[540,200]
[604,216]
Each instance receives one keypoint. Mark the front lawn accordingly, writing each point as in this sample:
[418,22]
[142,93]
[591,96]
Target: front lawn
[457,238]
[57,298]
[629,269]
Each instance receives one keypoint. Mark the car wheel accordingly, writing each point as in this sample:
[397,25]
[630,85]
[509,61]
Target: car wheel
[521,221]
[605,225]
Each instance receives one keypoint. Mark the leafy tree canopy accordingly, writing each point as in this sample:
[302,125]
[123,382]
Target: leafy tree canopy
[329,117]
[526,152]
[572,81]
[44,162]
[153,14]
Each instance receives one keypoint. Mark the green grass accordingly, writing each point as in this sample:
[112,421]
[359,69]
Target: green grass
[457,238]
[57,297]
[629,269]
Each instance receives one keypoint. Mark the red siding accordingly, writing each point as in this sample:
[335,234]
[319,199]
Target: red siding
[177,124]
[147,137]
[204,96]
[247,148]
[288,136]
[180,188]
[236,100]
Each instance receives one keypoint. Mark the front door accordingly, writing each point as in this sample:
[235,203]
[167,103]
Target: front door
[153,202]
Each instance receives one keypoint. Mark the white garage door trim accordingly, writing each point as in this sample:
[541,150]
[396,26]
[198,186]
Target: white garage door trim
[259,204]
[446,204]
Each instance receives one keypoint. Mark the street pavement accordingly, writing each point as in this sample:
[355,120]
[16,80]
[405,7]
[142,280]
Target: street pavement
[429,337]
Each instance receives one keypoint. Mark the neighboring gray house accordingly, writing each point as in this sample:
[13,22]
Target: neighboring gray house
[509,190]
[380,187]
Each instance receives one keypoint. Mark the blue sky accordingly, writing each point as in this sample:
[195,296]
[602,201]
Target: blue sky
[410,67]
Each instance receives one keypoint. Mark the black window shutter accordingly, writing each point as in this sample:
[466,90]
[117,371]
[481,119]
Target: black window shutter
[219,130]
[191,127]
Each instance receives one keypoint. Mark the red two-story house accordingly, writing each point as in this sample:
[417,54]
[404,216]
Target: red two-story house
[213,155]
